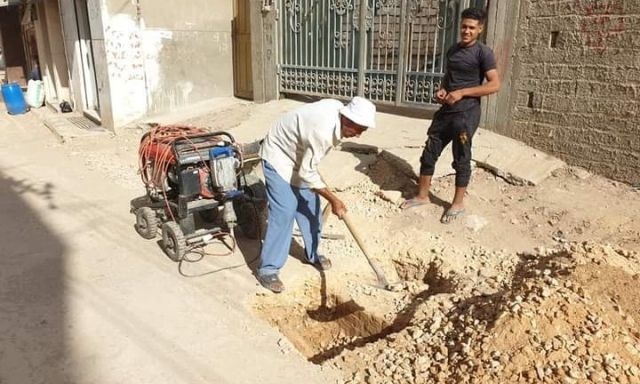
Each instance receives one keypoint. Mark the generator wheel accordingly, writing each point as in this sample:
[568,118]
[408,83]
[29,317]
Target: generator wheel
[252,215]
[147,222]
[173,241]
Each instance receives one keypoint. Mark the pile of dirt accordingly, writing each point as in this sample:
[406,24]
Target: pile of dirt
[563,315]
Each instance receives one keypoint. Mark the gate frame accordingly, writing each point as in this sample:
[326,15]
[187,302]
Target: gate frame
[400,72]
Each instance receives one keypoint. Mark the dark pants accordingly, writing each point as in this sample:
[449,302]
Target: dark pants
[457,128]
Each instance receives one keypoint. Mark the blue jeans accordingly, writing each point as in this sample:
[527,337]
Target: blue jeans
[286,204]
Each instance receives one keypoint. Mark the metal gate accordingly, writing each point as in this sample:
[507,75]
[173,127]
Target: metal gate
[398,60]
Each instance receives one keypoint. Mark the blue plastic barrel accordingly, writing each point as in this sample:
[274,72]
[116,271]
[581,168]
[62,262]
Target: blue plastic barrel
[14,98]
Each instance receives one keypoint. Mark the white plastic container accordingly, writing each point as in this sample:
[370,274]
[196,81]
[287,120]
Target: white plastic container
[35,93]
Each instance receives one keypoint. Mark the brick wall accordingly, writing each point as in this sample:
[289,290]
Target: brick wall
[576,88]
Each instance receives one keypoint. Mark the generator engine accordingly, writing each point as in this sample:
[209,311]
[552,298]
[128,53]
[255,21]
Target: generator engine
[213,176]
[192,179]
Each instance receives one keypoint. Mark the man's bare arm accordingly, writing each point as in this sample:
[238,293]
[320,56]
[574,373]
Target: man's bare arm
[492,85]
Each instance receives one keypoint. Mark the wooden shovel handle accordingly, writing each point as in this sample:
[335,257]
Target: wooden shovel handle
[363,247]
[382,280]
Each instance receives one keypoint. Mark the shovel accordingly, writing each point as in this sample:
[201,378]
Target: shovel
[382,280]
[383,283]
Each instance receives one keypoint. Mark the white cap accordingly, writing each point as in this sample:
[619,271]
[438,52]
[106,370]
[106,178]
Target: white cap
[361,111]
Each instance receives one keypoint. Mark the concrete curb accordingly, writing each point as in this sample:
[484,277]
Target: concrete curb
[65,131]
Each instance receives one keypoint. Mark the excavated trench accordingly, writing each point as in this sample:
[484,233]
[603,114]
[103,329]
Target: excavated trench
[321,329]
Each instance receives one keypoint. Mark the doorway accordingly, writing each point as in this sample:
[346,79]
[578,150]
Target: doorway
[241,32]
[91,101]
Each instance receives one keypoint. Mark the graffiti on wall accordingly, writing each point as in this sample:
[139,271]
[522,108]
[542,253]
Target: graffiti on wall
[124,54]
[125,61]
[603,24]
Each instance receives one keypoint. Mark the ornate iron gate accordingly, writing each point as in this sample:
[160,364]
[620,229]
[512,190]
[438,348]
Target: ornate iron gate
[398,60]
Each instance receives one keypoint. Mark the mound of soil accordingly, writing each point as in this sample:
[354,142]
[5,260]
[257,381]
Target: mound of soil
[564,316]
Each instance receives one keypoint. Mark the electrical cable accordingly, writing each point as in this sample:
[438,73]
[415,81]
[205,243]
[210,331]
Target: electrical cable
[202,254]
[246,263]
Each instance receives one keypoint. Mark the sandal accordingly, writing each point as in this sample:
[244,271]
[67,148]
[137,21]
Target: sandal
[272,283]
[451,215]
[322,264]
[412,203]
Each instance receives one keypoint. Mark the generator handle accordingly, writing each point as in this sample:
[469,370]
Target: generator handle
[217,133]
[233,140]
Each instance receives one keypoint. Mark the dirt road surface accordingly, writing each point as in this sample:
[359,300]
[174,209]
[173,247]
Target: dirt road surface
[83,299]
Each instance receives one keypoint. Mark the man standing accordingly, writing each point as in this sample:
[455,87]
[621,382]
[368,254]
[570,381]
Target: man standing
[468,64]
[290,153]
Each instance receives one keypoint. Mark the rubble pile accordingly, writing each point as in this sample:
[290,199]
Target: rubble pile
[547,322]
[475,306]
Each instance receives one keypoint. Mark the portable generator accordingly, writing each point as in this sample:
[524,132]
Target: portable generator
[199,187]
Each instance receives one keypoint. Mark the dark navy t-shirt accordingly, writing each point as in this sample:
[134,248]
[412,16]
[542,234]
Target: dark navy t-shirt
[466,67]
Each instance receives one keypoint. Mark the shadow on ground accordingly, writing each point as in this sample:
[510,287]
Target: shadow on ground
[33,346]
[402,179]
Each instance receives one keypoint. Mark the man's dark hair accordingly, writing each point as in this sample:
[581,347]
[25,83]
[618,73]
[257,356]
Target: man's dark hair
[475,14]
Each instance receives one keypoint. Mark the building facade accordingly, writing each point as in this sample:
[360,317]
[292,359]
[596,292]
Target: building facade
[117,61]
[570,69]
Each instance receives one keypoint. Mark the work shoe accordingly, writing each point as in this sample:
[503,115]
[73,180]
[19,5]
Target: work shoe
[322,264]
[272,283]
